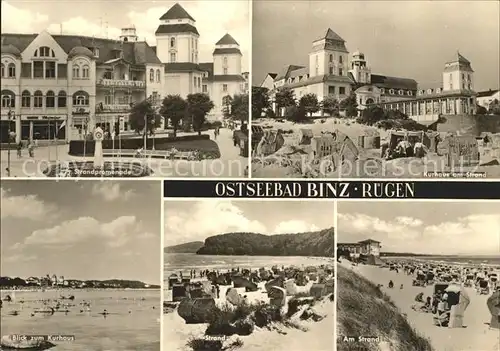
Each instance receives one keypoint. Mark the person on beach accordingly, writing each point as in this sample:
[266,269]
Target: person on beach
[20,149]
[217,289]
[391,284]
[31,149]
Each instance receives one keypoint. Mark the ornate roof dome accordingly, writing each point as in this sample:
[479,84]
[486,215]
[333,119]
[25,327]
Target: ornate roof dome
[10,49]
[357,53]
[80,51]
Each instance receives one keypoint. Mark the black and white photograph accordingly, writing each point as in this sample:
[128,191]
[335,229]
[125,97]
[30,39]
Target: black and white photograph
[125,89]
[418,276]
[80,265]
[248,275]
[363,89]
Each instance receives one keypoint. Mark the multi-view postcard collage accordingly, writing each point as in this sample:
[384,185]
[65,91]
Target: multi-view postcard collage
[241,175]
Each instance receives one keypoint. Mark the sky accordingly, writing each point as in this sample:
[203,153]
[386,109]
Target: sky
[187,221]
[445,228]
[81,230]
[409,39]
[84,17]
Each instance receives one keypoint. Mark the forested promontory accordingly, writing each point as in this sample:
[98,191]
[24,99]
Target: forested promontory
[318,243]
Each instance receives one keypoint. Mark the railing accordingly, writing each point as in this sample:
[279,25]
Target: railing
[112,108]
[122,83]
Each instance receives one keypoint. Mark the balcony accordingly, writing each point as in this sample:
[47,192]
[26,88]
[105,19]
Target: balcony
[122,83]
[103,108]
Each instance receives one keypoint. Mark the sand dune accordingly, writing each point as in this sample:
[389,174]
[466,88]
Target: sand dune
[474,336]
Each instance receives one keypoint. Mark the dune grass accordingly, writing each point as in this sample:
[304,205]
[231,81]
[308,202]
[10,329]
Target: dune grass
[364,310]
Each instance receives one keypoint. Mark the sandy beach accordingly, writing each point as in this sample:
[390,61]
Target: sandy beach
[475,334]
[316,336]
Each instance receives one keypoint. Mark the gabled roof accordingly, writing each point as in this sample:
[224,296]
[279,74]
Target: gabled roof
[226,51]
[227,40]
[10,49]
[487,93]
[331,35]
[176,28]
[272,75]
[393,82]
[133,52]
[285,71]
[176,12]
[207,67]
[369,241]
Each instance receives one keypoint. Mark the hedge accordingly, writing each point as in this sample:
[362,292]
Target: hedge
[76,147]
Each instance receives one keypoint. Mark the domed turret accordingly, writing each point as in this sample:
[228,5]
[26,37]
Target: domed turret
[10,49]
[80,51]
[129,33]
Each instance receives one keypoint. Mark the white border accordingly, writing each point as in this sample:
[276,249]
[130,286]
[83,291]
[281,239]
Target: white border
[335,286]
[162,264]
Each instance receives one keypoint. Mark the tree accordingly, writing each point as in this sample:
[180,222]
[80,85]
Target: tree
[494,107]
[309,103]
[173,108]
[226,106]
[395,114]
[481,110]
[198,106]
[372,114]
[260,101]
[284,98]
[239,107]
[350,105]
[330,105]
[143,117]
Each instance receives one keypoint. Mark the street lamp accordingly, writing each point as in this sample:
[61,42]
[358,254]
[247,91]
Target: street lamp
[9,136]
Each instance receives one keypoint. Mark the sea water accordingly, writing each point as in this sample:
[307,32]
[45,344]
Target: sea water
[132,323]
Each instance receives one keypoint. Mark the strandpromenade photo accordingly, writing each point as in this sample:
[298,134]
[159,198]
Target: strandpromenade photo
[357,89]
[142,90]
[418,276]
[243,275]
[80,265]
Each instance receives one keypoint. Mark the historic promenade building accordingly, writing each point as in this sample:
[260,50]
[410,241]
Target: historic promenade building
[365,247]
[333,72]
[66,85]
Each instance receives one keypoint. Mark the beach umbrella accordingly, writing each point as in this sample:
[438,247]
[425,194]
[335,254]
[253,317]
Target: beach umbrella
[453,288]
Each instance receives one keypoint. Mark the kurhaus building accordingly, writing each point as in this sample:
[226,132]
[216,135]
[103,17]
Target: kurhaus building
[331,72]
[64,85]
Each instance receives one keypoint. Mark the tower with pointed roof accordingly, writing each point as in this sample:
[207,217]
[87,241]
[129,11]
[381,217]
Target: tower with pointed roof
[329,56]
[227,56]
[458,74]
[177,37]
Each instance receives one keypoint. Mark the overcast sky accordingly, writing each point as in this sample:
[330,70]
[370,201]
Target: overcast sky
[448,228]
[213,19]
[411,39]
[81,230]
[187,221]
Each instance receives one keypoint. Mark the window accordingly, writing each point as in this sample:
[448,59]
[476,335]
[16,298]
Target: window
[199,82]
[96,52]
[400,92]
[341,72]
[342,90]
[225,71]
[158,76]
[225,61]
[468,76]
[61,99]
[194,79]
[25,99]
[108,99]
[80,98]
[463,75]
[85,72]
[3,70]
[11,70]
[391,91]
[172,57]
[76,71]
[331,90]
[45,51]
[50,99]
[8,100]
[409,93]
[151,75]
[451,78]
[224,87]
[38,99]
[50,69]
[331,58]
[172,42]
[382,90]
[331,70]
[470,87]
[340,59]
[37,69]
[205,88]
